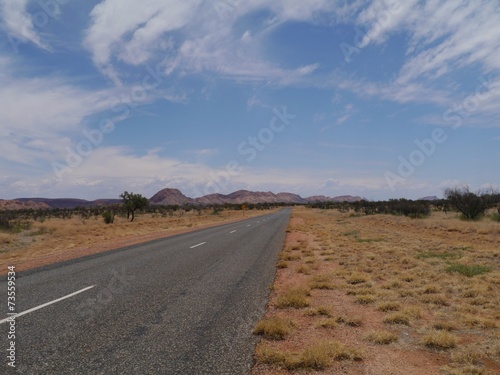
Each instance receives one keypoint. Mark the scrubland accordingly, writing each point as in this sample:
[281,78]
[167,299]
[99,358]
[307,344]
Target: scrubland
[383,294]
[57,239]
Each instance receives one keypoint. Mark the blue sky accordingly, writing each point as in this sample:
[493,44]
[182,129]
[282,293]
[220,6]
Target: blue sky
[382,99]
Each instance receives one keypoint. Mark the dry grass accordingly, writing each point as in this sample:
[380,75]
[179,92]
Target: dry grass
[6,239]
[319,311]
[321,282]
[316,357]
[398,318]
[274,328]
[352,320]
[382,337]
[61,239]
[431,286]
[295,296]
[328,323]
[388,306]
[440,340]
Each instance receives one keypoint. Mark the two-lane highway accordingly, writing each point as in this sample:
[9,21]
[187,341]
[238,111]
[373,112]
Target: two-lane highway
[180,305]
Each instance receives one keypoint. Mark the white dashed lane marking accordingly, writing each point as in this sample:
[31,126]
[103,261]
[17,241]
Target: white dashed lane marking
[202,243]
[47,304]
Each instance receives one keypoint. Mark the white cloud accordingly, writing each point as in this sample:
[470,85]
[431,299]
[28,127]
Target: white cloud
[131,29]
[18,23]
[444,35]
[393,91]
[382,17]
[204,38]
[39,115]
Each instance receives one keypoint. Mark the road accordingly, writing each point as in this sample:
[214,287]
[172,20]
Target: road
[180,305]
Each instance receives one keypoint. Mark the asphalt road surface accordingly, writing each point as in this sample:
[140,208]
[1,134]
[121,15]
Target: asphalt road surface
[181,305]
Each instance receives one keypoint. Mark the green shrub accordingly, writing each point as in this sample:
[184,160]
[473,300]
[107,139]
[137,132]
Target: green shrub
[468,270]
[108,217]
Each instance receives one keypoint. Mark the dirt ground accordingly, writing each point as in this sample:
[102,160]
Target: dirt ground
[380,286]
[57,240]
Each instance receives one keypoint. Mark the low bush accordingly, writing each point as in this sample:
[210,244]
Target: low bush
[468,270]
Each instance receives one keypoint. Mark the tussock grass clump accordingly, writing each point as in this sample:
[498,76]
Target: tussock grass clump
[290,257]
[397,318]
[382,337]
[468,270]
[365,299]
[274,328]
[6,239]
[430,289]
[360,291]
[395,284]
[310,260]
[328,323]
[321,310]
[319,356]
[315,357]
[321,282]
[465,370]
[413,312]
[368,240]
[439,255]
[436,300]
[478,322]
[466,356]
[357,278]
[388,306]
[282,264]
[408,278]
[306,270]
[295,297]
[440,340]
[444,326]
[406,293]
[266,354]
[307,252]
[353,321]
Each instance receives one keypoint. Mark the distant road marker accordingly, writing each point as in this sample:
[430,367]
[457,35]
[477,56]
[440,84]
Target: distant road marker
[233,231]
[202,243]
[249,225]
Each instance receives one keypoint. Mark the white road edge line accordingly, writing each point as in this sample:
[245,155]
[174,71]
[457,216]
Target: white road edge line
[233,231]
[46,304]
[202,243]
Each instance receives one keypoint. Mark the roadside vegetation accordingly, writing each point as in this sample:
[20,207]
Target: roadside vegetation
[33,237]
[394,292]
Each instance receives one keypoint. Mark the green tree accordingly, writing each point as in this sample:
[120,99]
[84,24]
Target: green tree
[133,202]
[471,205]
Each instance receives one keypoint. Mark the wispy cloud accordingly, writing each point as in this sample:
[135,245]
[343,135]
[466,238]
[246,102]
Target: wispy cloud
[345,114]
[444,35]
[18,23]
[122,31]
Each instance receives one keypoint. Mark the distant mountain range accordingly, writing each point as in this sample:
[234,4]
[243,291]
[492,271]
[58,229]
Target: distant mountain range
[41,203]
[170,197]
[174,196]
